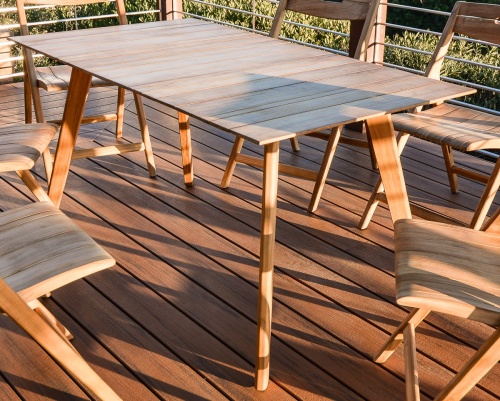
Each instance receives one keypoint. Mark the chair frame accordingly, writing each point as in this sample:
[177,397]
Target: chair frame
[25,174]
[32,96]
[362,15]
[53,343]
[474,20]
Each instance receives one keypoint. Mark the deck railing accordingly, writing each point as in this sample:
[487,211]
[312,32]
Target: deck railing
[247,14]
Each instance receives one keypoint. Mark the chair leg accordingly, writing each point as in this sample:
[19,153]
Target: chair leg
[231,163]
[371,206]
[120,112]
[295,144]
[449,163]
[33,185]
[485,358]
[411,369]
[331,146]
[47,162]
[379,188]
[186,148]
[28,110]
[486,198]
[373,158]
[53,344]
[143,124]
[414,318]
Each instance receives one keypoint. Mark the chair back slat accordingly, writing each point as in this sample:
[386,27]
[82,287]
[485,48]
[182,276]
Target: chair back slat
[480,10]
[361,13]
[478,21]
[61,2]
[486,29]
[345,10]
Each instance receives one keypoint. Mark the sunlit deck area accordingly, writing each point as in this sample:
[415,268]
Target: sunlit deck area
[176,317]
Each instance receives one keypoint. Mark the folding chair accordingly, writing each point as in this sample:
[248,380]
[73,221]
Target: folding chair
[453,270]
[41,250]
[20,147]
[452,126]
[56,78]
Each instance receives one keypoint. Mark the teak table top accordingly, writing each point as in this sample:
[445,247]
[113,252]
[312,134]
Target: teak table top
[263,89]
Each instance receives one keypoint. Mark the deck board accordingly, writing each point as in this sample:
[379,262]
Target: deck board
[175,318]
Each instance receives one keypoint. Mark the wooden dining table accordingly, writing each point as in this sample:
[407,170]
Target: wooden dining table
[262,89]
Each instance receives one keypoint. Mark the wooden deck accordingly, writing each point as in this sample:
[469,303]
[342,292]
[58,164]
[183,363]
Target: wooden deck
[175,318]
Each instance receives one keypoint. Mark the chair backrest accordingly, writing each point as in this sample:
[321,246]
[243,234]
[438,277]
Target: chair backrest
[30,77]
[475,20]
[120,8]
[361,13]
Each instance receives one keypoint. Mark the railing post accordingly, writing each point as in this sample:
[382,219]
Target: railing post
[6,67]
[170,9]
[375,53]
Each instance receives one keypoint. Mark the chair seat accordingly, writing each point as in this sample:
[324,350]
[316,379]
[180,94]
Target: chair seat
[56,78]
[459,127]
[41,249]
[433,273]
[22,144]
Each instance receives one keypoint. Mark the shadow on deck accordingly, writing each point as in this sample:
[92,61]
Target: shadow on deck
[175,318]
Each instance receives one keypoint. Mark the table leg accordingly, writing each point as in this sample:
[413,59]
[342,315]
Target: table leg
[78,90]
[385,147]
[186,150]
[267,238]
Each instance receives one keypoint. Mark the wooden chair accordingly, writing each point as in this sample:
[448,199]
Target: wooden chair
[362,14]
[41,250]
[20,147]
[447,269]
[452,126]
[56,78]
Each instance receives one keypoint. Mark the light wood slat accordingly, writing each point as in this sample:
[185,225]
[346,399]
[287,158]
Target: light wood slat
[207,55]
[313,94]
[215,79]
[212,59]
[147,43]
[56,37]
[324,118]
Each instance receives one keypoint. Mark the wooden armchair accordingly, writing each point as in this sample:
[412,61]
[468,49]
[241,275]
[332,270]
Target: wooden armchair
[56,78]
[20,147]
[41,250]
[452,126]
[453,270]
[362,14]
